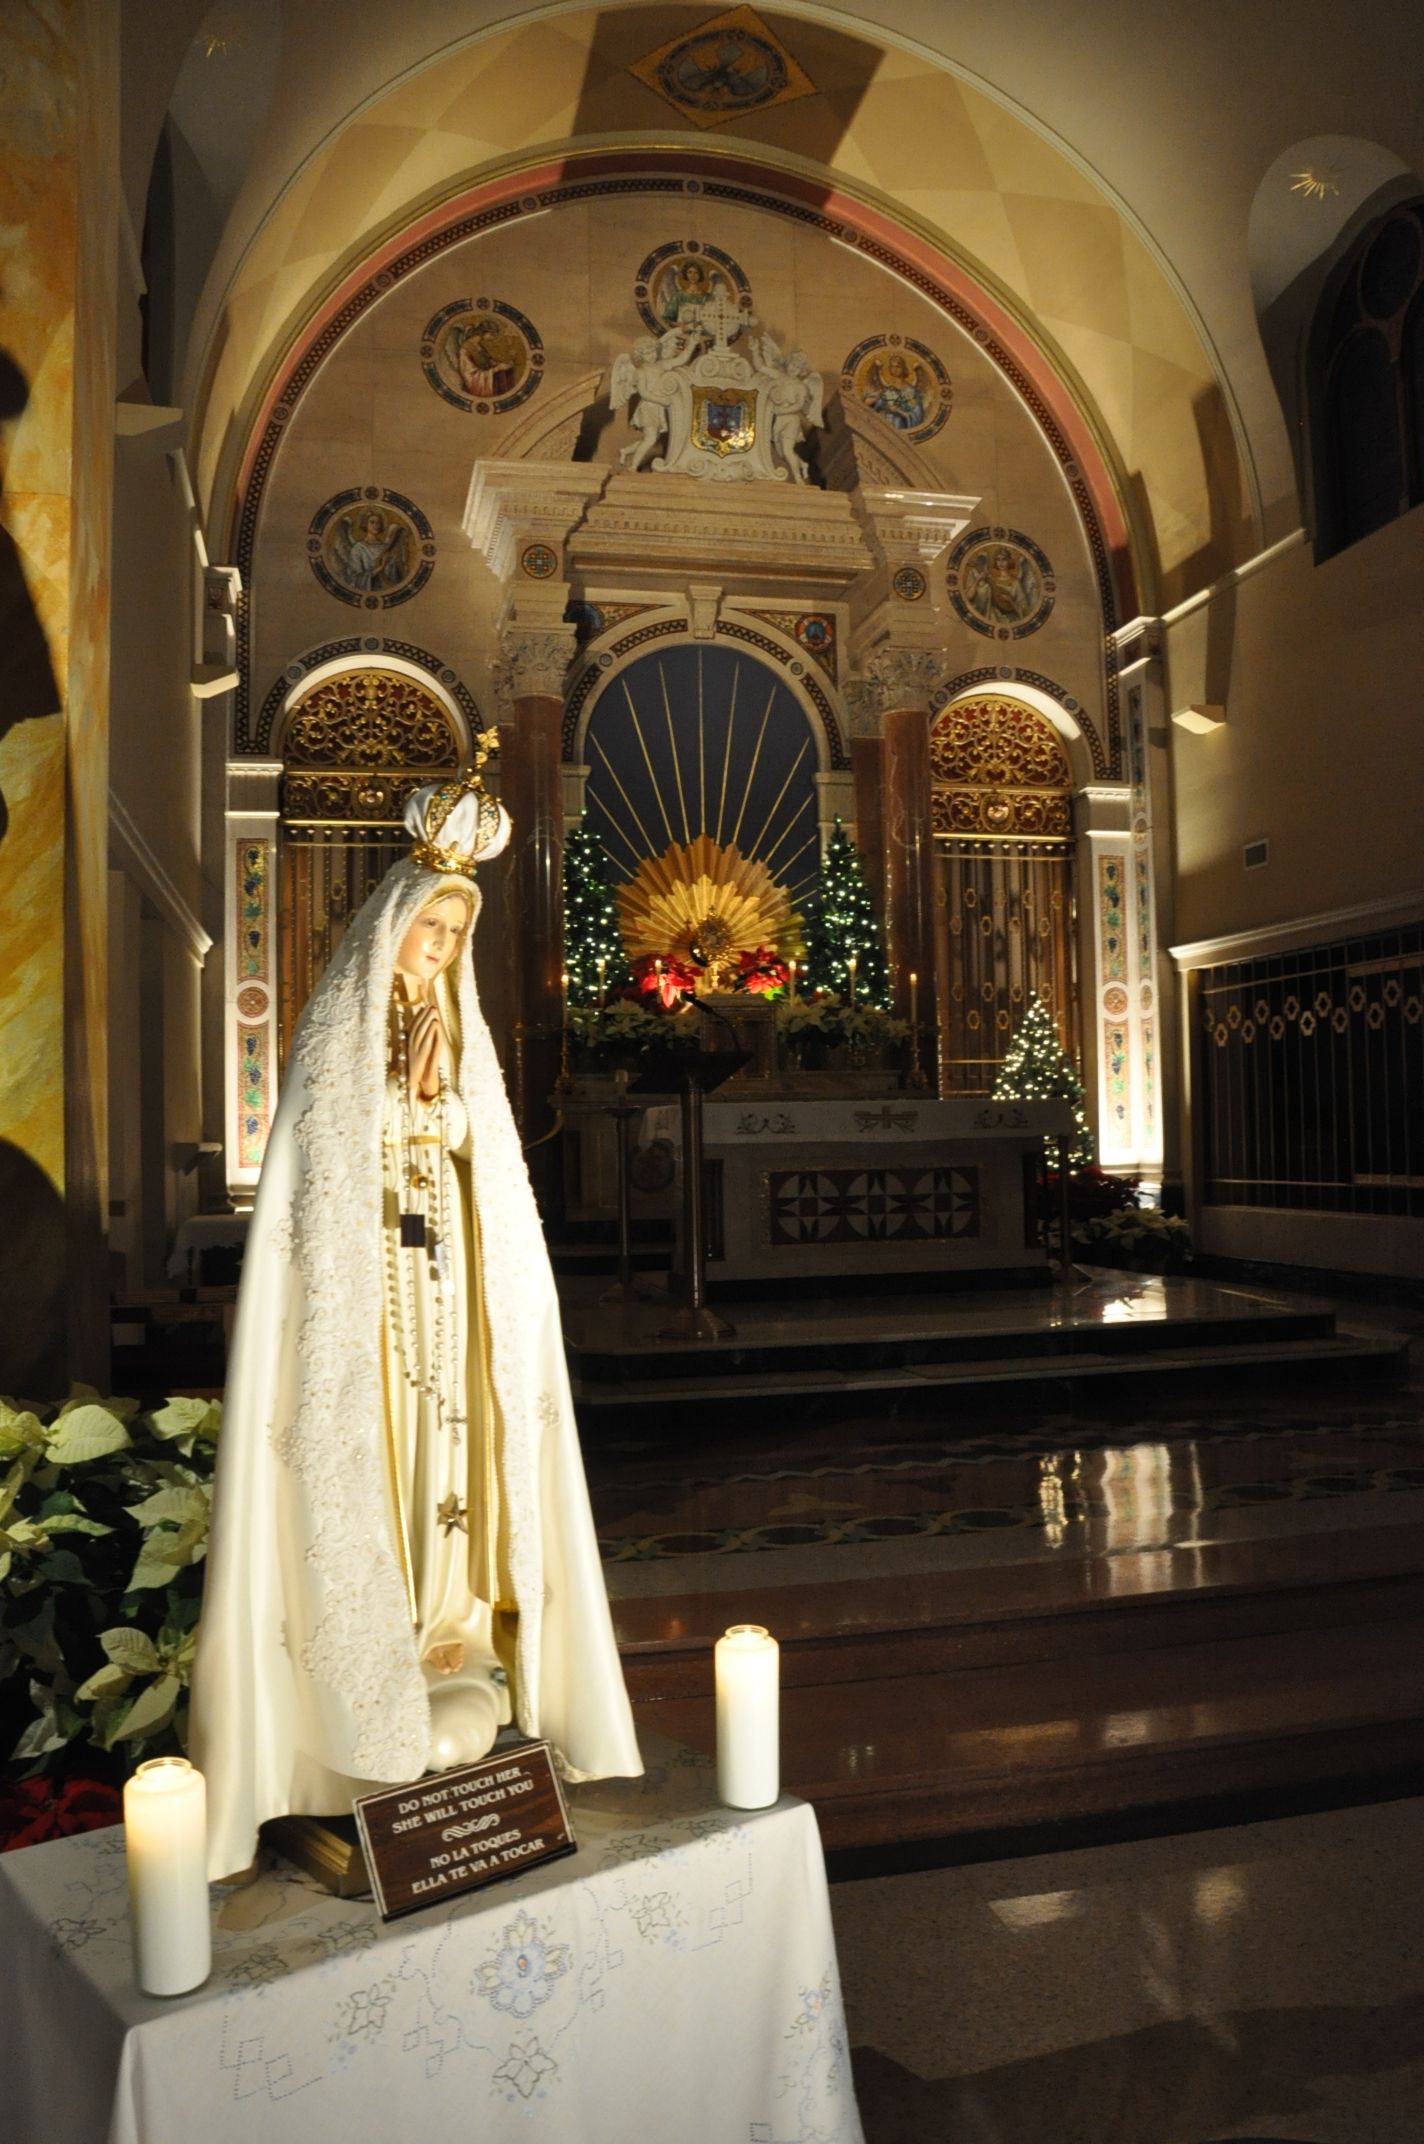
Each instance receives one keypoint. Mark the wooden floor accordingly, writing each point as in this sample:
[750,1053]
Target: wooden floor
[994,1621]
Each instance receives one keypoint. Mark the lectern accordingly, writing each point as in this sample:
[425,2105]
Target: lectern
[692,1077]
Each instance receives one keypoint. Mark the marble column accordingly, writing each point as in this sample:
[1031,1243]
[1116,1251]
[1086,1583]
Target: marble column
[904,679]
[58,207]
[868,776]
[531,784]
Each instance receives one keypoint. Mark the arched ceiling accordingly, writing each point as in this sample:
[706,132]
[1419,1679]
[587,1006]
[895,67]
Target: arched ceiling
[1095,175]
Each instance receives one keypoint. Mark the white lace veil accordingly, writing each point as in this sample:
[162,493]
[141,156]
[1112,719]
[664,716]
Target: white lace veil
[310,1538]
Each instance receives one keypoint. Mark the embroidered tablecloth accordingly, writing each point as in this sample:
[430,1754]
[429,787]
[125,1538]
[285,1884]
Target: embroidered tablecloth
[674,1982]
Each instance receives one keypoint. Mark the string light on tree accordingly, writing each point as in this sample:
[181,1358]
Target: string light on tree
[845,954]
[1039,1069]
[593,944]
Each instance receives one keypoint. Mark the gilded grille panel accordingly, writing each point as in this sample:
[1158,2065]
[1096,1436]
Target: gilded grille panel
[1005,906]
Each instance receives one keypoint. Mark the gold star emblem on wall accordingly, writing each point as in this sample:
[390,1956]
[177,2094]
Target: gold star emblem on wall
[452,1515]
[1314,185]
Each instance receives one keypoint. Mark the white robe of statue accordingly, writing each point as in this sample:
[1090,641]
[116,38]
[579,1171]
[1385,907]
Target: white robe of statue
[336,1591]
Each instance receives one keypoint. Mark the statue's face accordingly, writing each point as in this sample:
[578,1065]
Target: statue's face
[432,941]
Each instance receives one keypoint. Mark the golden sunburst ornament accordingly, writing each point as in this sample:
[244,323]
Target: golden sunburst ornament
[1314,185]
[704,904]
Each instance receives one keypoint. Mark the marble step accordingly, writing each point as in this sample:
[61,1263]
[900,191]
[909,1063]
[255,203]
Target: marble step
[892,1759]
[719,1380]
[949,1622]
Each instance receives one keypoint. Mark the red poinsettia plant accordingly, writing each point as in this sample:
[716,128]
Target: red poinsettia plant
[763,971]
[667,979]
[32,1810]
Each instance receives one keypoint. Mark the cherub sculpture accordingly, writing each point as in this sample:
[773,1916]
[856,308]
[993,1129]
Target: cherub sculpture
[647,375]
[795,397]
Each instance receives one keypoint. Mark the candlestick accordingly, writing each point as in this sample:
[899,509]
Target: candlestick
[850,971]
[602,983]
[916,1075]
[748,1668]
[166,1834]
[791,971]
[564,1075]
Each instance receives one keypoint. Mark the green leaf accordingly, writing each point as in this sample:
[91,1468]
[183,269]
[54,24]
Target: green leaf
[21,1430]
[63,1568]
[89,1396]
[74,1522]
[181,1506]
[185,1417]
[84,1433]
[164,1552]
[150,1710]
[107,1681]
[132,1650]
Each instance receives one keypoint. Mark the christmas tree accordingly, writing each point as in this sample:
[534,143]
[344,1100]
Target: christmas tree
[841,927]
[1039,1069]
[591,932]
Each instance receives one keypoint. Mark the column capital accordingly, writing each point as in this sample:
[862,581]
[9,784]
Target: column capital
[862,706]
[533,663]
[903,677]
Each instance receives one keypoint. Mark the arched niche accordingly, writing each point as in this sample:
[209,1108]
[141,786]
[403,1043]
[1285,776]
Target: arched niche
[691,738]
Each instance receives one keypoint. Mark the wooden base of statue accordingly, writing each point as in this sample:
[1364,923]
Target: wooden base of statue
[326,1848]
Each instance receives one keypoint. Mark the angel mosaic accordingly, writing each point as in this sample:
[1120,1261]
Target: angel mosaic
[371,547]
[901,380]
[369,551]
[1000,583]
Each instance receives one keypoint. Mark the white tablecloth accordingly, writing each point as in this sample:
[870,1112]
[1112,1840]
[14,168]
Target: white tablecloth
[674,1982]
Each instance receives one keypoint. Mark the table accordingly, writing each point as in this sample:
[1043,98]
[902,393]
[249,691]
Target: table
[673,1981]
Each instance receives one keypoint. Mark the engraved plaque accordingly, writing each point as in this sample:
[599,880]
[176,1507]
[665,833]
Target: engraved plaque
[457,1831]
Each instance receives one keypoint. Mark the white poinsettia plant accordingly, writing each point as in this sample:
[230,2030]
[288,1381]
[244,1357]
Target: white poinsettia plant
[104,1512]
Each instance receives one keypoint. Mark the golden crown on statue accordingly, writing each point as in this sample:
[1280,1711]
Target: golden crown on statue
[444,798]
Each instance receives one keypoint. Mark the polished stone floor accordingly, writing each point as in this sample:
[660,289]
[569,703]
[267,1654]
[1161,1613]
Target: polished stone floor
[1260,1981]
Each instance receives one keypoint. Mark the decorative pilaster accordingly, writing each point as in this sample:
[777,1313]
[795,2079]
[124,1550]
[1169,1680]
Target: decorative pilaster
[250,969]
[1110,1028]
[903,680]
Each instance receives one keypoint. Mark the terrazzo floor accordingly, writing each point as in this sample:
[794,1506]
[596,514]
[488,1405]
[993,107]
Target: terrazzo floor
[1261,1981]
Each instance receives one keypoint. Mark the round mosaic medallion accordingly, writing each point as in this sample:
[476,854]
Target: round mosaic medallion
[678,281]
[1000,583]
[902,381]
[815,632]
[251,1002]
[539,561]
[737,68]
[482,355]
[370,547]
[910,584]
[1115,1000]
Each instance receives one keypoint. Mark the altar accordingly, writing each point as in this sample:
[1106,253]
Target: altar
[805,1189]
[675,1978]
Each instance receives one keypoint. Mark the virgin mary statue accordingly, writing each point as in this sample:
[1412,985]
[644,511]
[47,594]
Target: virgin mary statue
[402,1551]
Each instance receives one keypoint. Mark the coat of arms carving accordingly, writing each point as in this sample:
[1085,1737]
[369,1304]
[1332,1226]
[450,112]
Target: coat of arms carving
[701,408]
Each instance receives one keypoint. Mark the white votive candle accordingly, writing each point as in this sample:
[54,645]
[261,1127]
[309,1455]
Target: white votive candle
[166,1833]
[748,1717]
